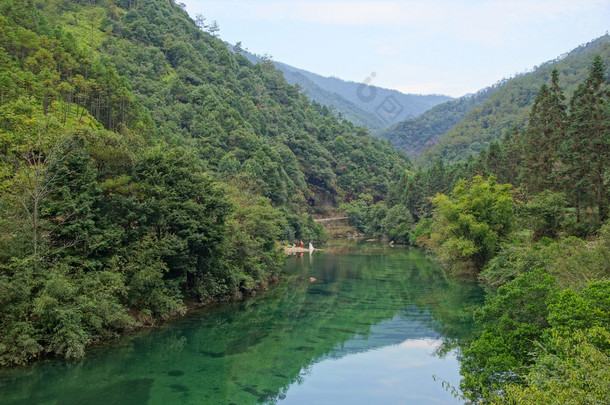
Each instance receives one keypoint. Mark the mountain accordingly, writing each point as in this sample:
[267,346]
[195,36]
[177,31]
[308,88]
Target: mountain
[388,106]
[372,107]
[143,165]
[414,135]
[349,110]
[509,106]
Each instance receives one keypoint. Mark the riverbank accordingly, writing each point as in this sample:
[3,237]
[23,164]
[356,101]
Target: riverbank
[296,249]
[140,322]
[279,343]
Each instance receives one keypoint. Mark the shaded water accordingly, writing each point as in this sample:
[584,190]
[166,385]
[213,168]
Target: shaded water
[360,323]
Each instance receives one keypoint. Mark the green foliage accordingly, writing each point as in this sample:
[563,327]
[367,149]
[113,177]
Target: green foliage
[397,224]
[374,216]
[142,164]
[378,221]
[356,211]
[572,261]
[512,321]
[534,337]
[577,373]
[545,214]
[422,232]
[57,309]
[473,222]
[144,271]
[255,227]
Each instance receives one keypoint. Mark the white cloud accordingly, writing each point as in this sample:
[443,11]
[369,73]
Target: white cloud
[419,13]
[417,46]
[487,22]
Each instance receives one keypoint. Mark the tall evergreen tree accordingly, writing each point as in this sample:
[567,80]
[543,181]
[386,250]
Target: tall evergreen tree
[586,150]
[546,125]
[512,147]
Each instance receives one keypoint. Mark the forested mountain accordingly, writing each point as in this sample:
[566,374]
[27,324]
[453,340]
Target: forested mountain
[414,135]
[372,107]
[509,106]
[349,110]
[388,106]
[144,164]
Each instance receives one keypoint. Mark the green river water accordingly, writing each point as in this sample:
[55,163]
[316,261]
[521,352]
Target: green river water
[360,323]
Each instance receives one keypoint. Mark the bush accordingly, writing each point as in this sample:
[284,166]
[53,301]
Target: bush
[578,372]
[572,261]
[471,224]
[545,214]
[540,344]
[397,224]
[421,233]
[512,322]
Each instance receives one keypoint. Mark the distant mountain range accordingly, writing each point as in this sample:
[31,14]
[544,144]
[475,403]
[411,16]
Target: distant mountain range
[372,107]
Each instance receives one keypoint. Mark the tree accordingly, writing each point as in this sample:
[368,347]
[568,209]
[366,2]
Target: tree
[397,224]
[512,146]
[472,222]
[545,213]
[200,20]
[33,156]
[586,149]
[214,28]
[546,126]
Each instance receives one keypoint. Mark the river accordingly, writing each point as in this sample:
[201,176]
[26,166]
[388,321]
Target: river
[360,323]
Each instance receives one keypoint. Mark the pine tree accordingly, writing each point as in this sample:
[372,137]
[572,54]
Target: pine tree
[546,125]
[512,146]
[586,150]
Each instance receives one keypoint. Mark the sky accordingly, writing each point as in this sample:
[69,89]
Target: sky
[424,47]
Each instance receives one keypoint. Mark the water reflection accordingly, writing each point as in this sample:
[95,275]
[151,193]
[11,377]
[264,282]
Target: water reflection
[353,319]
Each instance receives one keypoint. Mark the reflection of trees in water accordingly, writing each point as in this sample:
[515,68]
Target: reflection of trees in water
[252,351]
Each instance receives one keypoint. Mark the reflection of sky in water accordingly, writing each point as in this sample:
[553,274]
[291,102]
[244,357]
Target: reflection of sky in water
[408,325]
[396,362]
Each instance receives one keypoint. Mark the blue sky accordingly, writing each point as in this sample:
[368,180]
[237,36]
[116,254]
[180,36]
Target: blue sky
[433,46]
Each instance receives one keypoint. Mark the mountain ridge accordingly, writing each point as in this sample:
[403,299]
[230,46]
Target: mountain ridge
[508,107]
[372,107]
[446,130]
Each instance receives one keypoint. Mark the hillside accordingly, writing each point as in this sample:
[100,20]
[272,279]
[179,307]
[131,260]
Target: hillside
[389,106]
[142,164]
[362,105]
[349,110]
[509,106]
[414,135]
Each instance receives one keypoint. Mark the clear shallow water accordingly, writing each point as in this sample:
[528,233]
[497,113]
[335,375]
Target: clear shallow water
[360,323]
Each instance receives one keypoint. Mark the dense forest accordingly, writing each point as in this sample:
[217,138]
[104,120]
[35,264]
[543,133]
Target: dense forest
[348,110]
[145,168]
[529,214]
